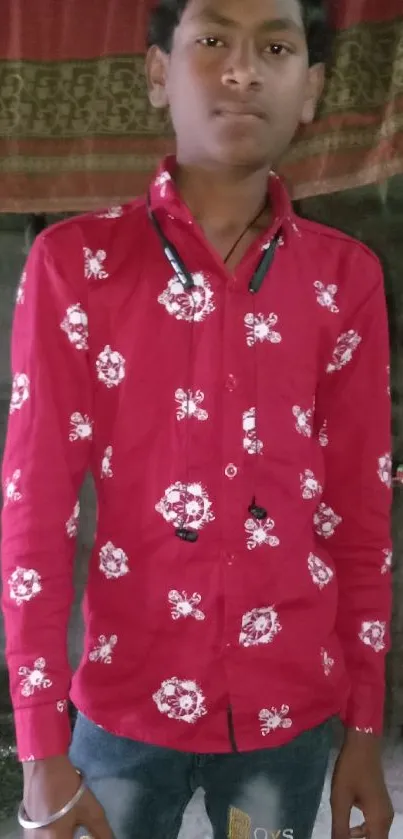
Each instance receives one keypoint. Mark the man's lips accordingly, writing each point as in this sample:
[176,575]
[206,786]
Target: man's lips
[246,112]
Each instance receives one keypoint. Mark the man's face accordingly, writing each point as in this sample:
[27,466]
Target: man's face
[237,81]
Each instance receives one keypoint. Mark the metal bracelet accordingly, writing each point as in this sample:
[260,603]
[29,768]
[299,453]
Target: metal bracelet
[25,822]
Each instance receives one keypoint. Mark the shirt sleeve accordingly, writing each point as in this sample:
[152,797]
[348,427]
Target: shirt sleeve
[354,520]
[46,456]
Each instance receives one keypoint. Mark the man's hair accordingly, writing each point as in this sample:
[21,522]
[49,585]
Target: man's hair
[166,16]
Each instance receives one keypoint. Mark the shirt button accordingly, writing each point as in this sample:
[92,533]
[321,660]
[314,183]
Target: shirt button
[231,471]
[231,382]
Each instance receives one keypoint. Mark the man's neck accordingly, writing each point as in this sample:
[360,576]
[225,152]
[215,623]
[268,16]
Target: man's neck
[223,200]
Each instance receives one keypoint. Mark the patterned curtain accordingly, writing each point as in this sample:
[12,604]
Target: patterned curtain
[76,129]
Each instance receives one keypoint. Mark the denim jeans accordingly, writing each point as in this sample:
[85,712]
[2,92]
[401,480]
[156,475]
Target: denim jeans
[145,789]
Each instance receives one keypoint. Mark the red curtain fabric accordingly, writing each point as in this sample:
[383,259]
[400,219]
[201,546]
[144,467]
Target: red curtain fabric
[76,129]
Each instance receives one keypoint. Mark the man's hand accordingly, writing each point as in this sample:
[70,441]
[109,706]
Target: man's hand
[48,786]
[358,781]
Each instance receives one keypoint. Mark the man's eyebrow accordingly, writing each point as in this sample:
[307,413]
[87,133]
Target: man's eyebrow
[274,25]
[282,24]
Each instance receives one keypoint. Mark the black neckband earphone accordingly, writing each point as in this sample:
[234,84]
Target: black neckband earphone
[185,277]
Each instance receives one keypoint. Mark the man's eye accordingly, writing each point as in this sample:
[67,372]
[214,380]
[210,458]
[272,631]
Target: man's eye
[211,42]
[278,49]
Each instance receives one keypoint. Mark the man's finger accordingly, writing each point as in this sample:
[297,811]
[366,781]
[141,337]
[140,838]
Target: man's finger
[98,826]
[92,819]
[341,826]
[360,832]
[379,828]
[99,829]
[341,811]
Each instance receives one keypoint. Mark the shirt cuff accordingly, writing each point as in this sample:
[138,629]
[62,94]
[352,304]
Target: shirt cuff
[365,709]
[43,731]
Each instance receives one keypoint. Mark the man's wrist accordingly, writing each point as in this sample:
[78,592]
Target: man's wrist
[362,739]
[32,768]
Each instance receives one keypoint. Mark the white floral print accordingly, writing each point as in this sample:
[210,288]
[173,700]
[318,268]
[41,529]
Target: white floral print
[387,565]
[327,662]
[72,522]
[61,706]
[385,469]
[372,634]
[185,606]
[35,679]
[180,700]
[20,392]
[325,296]
[310,486]
[20,298]
[193,305]
[272,719]
[280,243]
[321,574]
[326,521]
[111,212]
[188,405]
[110,367]
[250,442]
[364,730]
[344,350]
[12,488]
[103,650]
[186,506]
[323,435]
[162,182]
[80,427]
[259,328]
[106,466]
[260,533]
[113,562]
[75,325]
[94,265]
[260,626]
[303,420]
[25,584]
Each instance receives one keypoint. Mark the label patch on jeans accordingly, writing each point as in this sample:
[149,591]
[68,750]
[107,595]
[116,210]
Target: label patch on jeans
[240,827]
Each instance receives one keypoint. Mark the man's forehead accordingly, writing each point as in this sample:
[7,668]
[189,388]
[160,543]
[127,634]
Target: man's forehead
[274,14]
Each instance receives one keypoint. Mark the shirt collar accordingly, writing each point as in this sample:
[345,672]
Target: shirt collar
[165,195]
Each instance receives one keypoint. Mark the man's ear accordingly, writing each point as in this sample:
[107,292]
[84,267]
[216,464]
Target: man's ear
[157,63]
[314,91]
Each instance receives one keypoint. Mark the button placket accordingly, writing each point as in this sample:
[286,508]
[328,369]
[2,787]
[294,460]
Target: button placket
[232,623]
[231,383]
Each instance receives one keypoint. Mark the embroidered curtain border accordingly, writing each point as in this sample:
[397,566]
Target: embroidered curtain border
[80,134]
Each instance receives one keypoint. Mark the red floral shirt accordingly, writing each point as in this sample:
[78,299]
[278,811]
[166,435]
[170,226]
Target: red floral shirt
[191,408]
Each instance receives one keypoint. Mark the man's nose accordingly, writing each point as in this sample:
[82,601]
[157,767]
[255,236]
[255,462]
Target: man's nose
[242,70]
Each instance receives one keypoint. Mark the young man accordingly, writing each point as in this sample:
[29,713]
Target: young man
[222,368]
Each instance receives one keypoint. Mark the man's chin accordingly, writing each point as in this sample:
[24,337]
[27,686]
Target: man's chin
[235,155]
